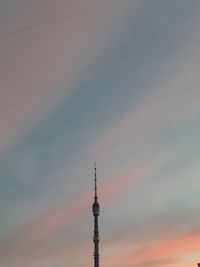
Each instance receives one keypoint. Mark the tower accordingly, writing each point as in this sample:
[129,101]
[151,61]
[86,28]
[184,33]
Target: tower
[95,210]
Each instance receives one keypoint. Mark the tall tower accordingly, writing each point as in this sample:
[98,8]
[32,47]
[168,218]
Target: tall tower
[95,210]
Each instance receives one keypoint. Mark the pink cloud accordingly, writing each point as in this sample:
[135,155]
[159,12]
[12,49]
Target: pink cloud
[53,222]
[172,251]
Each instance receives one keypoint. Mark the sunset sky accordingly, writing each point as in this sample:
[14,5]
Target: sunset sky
[111,81]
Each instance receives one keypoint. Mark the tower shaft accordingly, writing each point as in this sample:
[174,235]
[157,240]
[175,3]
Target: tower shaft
[96,209]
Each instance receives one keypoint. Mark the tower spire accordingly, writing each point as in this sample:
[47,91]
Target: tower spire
[95,181]
[95,210]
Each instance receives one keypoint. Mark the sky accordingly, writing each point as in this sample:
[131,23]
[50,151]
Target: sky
[114,82]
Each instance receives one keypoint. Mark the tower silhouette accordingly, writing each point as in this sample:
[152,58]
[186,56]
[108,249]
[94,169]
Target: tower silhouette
[96,210]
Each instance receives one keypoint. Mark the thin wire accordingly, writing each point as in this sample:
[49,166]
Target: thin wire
[67,164]
[57,19]
[113,146]
[85,125]
[51,21]
[22,99]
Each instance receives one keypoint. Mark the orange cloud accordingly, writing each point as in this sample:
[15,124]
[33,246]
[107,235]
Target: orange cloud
[170,252]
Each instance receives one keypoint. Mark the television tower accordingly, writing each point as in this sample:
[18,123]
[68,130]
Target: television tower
[95,210]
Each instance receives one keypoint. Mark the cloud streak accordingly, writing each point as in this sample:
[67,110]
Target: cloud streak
[134,54]
[169,252]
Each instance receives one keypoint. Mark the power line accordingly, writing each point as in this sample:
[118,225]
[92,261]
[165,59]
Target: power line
[87,124]
[57,19]
[67,164]
[113,146]
[21,99]
[43,23]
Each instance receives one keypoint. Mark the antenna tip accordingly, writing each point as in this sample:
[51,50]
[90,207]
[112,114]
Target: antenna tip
[95,167]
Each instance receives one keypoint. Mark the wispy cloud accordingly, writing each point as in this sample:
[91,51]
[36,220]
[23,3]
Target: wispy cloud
[170,252]
[135,54]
